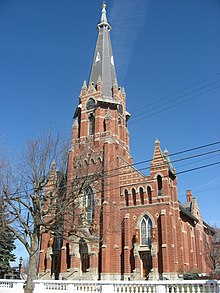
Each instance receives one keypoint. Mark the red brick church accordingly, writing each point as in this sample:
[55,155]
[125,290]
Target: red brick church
[125,225]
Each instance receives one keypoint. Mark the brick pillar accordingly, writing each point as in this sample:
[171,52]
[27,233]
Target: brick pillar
[154,248]
[94,261]
[164,244]
[111,218]
[42,261]
[105,239]
[49,259]
[138,264]
[126,248]
[198,249]
[63,264]
[75,260]
[178,242]
[44,246]
[171,241]
[154,265]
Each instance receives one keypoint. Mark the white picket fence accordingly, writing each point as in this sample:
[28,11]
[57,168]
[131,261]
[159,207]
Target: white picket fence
[44,286]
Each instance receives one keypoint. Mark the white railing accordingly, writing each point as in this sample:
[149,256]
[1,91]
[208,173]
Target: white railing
[11,286]
[44,286]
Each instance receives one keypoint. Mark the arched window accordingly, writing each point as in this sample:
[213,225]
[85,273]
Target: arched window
[91,124]
[141,195]
[146,231]
[126,198]
[88,205]
[149,194]
[134,197]
[159,185]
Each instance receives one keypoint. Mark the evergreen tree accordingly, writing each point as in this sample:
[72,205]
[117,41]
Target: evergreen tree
[6,244]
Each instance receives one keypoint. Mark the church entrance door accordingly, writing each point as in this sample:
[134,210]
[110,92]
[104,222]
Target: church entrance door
[84,256]
[146,264]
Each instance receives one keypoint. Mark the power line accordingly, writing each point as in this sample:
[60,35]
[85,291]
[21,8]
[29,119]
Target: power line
[138,183]
[167,101]
[170,155]
[166,163]
[195,162]
[148,181]
[202,190]
[177,92]
[172,106]
[198,168]
[166,176]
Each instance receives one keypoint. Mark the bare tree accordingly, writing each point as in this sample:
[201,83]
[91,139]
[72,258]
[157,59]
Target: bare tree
[212,253]
[35,195]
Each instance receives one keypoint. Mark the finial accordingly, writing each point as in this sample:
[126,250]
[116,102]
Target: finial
[166,153]
[104,20]
[157,141]
[84,85]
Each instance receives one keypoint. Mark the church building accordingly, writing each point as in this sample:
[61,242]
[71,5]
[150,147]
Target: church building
[123,225]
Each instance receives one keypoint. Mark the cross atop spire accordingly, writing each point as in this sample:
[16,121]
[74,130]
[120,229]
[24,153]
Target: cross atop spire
[104,20]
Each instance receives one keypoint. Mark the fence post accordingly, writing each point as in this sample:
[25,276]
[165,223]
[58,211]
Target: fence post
[71,288]
[18,287]
[161,288]
[107,288]
[39,287]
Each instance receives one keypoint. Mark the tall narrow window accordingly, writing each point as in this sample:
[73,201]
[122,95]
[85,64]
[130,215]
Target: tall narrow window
[126,198]
[68,257]
[146,231]
[149,194]
[134,197]
[88,205]
[104,125]
[159,185]
[79,124]
[141,195]
[91,124]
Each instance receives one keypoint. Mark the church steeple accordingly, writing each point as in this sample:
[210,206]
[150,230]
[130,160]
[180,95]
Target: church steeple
[103,62]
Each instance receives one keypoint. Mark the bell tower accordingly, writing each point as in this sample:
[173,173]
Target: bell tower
[101,112]
[100,140]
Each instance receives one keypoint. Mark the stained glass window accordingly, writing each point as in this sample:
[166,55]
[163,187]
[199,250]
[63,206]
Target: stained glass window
[146,231]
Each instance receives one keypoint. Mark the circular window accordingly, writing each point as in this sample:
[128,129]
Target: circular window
[90,104]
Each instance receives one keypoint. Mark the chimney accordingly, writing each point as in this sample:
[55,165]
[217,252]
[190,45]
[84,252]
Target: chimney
[189,195]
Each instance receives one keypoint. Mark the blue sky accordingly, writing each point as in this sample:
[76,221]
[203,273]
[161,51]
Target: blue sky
[167,58]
